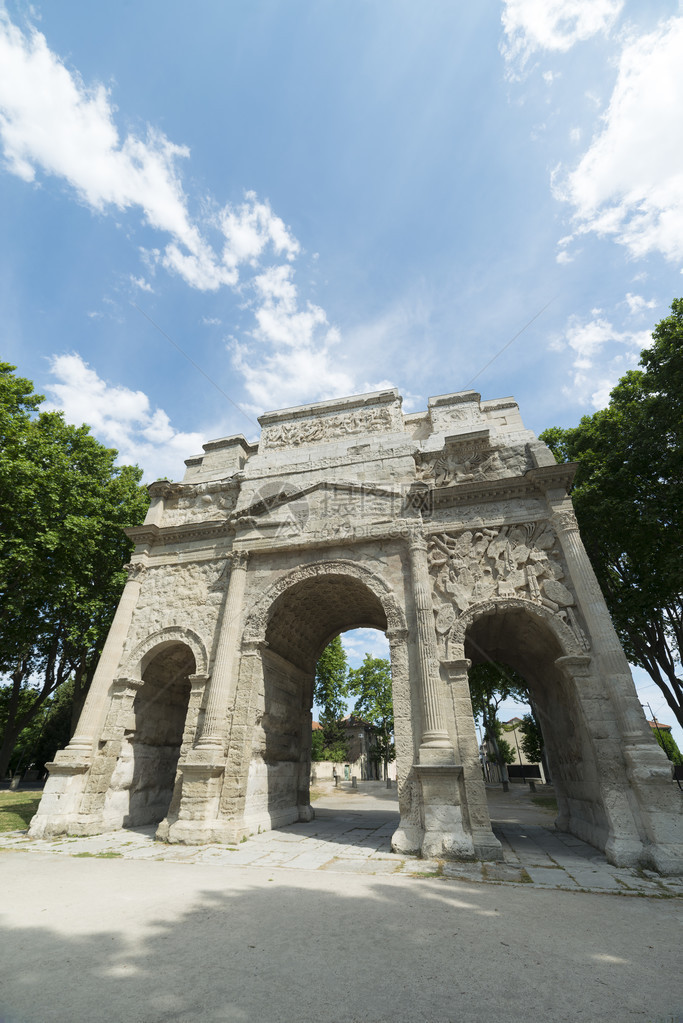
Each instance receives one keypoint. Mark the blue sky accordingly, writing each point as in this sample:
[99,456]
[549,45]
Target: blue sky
[320,197]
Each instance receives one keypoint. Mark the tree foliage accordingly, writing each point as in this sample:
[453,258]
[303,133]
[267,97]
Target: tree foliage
[329,693]
[628,496]
[532,739]
[504,751]
[668,744]
[63,505]
[491,683]
[371,686]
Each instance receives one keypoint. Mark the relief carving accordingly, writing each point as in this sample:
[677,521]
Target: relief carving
[472,460]
[519,561]
[311,431]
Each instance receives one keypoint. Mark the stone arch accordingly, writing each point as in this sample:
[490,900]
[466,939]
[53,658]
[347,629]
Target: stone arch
[570,644]
[152,724]
[135,664]
[568,700]
[257,620]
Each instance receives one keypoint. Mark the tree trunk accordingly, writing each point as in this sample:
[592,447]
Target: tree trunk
[491,734]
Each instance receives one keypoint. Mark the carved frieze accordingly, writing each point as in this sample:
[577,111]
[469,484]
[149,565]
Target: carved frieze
[323,428]
[470,459]
[518,561]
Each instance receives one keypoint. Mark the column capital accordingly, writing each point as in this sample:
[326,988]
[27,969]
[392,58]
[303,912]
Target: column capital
[416,539]
[564,520]
[135,570]
[238,558]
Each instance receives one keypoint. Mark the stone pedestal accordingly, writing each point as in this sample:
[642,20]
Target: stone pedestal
[444,827]
[197,821]
[61,798]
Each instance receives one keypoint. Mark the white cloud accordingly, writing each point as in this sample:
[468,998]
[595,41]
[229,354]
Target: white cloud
[282,376]
[360,642]
[636,303]
[629,183]
[52,122]
[120,418]
[555,25]
[141,283]
[599,356]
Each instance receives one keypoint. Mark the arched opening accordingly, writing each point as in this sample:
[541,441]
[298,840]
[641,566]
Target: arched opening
[146,771]
[301,622]
[528,644]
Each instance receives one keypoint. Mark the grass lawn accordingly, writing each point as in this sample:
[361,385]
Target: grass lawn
[17,809]
[545,802]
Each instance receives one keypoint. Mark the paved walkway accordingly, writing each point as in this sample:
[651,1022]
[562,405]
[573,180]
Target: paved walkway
[352,833]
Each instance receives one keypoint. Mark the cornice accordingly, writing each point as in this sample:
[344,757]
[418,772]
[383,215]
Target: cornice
[188,532]
[533,482]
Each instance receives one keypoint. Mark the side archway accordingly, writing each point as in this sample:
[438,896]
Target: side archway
[135,663]
[569,643]
[567,700]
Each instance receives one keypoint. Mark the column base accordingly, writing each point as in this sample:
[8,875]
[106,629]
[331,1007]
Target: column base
[437,755]
[445,835]
[407,839]
[59,809]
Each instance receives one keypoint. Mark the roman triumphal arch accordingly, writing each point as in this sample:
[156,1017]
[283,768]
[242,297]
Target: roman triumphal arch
[450,530]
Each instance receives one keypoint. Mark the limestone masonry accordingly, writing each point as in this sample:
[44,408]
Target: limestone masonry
[450,530]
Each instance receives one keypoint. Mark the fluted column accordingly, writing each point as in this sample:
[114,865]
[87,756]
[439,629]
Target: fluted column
[605,642]
[220,687]
[95,707]
[434,734]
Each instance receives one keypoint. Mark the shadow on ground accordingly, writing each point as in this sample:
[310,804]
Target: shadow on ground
[156,942]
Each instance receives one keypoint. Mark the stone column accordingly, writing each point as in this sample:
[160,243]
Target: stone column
[647,770]
[410,832]
[95,708]
[434,734]
[475,806]
[220,689]
[605,642]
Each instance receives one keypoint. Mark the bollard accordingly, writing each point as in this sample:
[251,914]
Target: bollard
[354,782]
[532,785]
[388,783]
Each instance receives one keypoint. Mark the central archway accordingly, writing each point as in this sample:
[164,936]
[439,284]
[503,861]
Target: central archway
[294,622]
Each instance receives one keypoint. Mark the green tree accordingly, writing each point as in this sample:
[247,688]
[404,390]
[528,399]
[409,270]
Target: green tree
[504,750]
[371,686]
[329,693]
[63,505]
[491,683]
[628,496]
[48,730]
[317,744]
[532,739]
[668,744]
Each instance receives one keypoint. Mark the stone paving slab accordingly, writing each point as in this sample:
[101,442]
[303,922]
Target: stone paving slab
[364,867]
[549,877]
[358,842]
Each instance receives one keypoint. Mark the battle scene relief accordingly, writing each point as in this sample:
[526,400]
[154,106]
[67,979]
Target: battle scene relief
[522,560]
